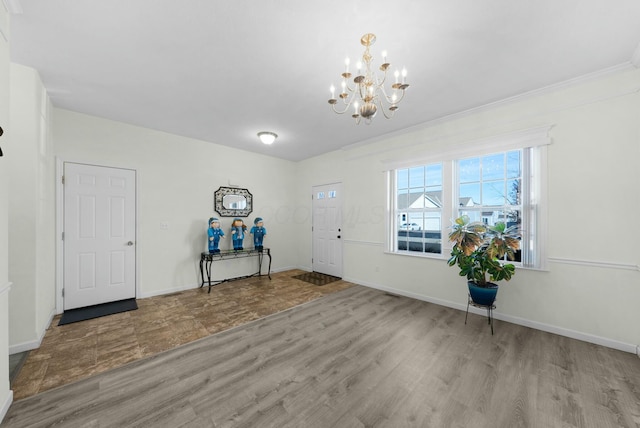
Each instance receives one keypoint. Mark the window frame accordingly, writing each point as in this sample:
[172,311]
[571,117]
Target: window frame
[533,142]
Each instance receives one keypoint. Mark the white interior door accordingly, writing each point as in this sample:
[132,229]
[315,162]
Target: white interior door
[327,229]
[99,235]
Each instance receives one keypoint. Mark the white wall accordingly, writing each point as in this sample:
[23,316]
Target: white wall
[592,287]
[177,177]
[31,212]
[6,395]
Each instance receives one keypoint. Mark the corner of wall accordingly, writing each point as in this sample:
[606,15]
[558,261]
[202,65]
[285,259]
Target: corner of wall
[5,406]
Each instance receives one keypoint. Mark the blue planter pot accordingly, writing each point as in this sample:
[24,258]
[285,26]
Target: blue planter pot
[483,295]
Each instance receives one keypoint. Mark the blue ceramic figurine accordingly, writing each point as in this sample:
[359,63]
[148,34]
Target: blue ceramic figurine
[214,233]
[237,233]
[258,231]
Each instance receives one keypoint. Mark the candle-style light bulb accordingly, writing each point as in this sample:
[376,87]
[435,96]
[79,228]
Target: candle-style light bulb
[355,108]
[333,91]
[404,74]
[396,74]
[384,56]
[358,66]
[347,61]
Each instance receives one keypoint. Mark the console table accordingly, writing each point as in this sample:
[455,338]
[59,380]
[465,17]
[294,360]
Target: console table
[207,259]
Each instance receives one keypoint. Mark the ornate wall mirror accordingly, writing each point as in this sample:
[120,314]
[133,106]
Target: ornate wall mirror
[233,202]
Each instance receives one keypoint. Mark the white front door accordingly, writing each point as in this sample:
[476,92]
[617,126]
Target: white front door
[327,229]
[99,235]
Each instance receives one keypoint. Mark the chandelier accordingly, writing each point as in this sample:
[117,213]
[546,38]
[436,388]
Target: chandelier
[368,93]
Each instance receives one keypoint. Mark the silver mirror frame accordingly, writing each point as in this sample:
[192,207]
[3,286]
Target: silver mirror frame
[219,194]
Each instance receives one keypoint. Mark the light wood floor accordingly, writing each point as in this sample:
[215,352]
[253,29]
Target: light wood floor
[357,358]
[76,351]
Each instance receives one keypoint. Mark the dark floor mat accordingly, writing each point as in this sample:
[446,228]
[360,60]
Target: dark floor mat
[89,312]
[317,278]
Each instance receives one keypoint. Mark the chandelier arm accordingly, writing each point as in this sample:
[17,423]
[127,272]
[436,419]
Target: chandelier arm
[386,97]
[333,106]
[401,96]
[350,89]
[390,99]
[384,79]
[347,100]
[384,111]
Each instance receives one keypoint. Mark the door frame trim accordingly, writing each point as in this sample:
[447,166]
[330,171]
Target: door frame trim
[60,161]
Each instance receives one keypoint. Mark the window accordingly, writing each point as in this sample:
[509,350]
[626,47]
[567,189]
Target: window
[498,180]
[489,189]
[419,208]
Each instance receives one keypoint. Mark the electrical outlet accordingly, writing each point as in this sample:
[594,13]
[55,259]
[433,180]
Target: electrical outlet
[164,225]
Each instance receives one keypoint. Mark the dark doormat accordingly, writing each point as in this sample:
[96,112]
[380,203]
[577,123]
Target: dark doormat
[89,312]
[317,278]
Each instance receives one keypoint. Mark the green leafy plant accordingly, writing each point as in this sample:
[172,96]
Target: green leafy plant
[479,250]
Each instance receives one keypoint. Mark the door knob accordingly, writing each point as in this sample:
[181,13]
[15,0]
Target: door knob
[130,243]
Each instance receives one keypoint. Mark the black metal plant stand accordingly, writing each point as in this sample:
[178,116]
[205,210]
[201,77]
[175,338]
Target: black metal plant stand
[489,309]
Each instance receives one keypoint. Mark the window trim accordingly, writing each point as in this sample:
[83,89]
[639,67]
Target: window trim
[531,137]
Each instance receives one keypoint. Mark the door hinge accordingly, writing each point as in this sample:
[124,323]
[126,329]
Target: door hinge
[63,236]
[63,292]
[63,179]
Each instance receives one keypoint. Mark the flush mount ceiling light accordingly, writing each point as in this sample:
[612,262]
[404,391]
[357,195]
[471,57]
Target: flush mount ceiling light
[368,93]
[267,137]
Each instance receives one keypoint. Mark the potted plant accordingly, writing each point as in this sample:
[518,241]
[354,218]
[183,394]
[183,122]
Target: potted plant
[479,251]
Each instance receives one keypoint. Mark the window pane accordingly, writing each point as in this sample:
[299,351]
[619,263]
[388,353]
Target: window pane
[403,200]
[493,167]
[513,192]
[418,204]
[416,198]
[416,177]
[403,179]
[491,217]
[432,233]
[493,193]
[433,199]
[434,175]
[469,170]
[469,194]
[513,164]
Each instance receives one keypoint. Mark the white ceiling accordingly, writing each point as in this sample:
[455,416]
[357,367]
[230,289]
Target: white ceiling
[221,71]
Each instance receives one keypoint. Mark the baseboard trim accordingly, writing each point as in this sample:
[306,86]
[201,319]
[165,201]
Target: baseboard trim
[5,406]
[25,346]
[33,344]
[573,334]
[165,291]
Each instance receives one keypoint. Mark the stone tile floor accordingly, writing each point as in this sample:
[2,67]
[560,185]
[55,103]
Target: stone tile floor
[75,351]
